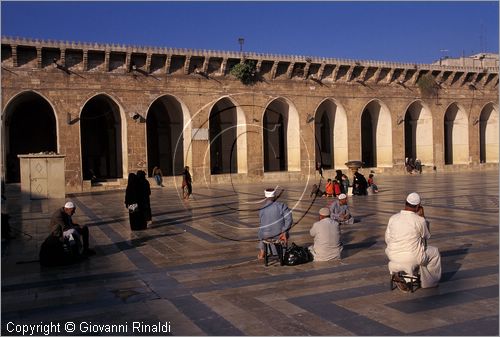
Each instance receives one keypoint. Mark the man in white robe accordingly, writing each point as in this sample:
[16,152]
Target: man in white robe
[406,238]
[326,233]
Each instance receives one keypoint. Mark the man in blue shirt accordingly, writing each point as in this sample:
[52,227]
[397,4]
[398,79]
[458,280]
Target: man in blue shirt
[339,210]
[275,220]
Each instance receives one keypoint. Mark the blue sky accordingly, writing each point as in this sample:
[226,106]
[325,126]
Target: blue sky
[413,32]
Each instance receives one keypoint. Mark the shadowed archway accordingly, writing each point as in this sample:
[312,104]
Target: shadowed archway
[418,133]
[331,135]
[101,139]
[30,127]
[281,137]
[164,126]
[376,135]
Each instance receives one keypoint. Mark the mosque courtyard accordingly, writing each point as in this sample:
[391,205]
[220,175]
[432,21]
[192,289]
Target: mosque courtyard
[195,270]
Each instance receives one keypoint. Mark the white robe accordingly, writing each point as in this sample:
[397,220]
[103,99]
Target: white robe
[406,237]
[327,245]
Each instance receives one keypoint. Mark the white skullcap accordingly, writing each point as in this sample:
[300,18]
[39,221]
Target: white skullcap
[413,199]
[342,196]
[270,193]
[324,211]
[69,204]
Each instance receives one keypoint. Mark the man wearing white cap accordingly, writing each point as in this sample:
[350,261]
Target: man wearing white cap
[62,226]
[326,234]
[406,238]
[339,210]
[275,220]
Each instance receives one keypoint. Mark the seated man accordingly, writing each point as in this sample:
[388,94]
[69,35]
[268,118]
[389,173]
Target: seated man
[62,227]
[275,220]
[326,234]
[339,211]
[406,237]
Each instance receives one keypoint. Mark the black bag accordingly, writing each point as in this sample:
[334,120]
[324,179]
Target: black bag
[295,255]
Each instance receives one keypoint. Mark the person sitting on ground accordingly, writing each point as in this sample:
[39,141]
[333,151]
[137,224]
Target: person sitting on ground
[371,183]
[339,210]
[406,238]
[275,221]
[62,227]
[329,188]
[418,166]
[336,188]
[326,233]
[316,191]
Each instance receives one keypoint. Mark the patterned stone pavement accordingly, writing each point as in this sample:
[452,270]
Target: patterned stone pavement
[194,271]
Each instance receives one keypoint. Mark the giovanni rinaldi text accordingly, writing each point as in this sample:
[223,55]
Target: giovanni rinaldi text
[46,329]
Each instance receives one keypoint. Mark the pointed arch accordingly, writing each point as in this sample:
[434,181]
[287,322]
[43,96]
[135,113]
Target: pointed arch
[488,134]
[331,134]
[456,135]
[103,138]
[228,139]
[418,133]
[281,133]
[30,126]
[168,133]
[376,135]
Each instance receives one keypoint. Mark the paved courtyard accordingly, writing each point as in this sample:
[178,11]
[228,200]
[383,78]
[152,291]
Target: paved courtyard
[195,272]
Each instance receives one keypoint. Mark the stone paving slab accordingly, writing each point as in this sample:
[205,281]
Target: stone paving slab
[195,269]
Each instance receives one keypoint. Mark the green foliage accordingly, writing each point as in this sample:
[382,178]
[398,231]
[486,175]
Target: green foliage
[245,72]
[427,85]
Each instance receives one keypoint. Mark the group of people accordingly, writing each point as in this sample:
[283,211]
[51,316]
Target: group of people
[69,242]
[406,235]
[187,187]
[337,186]
[137,195]
[276,221]
[413,166]
[341,183]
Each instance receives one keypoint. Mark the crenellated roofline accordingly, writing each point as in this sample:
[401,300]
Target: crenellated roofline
[122,48]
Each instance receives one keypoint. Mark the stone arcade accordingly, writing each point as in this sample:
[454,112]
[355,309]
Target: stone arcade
[113,109]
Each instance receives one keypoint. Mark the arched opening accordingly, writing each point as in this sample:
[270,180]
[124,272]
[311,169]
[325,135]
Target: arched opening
[275,126]
[164,126]
[488,134]
[331,135]
[324,139]
[101,139]
[418,133]
[456,136]
[30,127]
[223,141]
[376,136]
[281,137]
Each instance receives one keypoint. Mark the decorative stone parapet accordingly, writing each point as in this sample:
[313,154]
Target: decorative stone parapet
[178,61]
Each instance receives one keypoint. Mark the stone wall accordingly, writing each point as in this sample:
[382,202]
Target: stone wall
[68,74]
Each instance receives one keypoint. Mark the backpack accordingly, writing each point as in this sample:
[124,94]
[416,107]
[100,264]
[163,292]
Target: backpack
[295,255]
